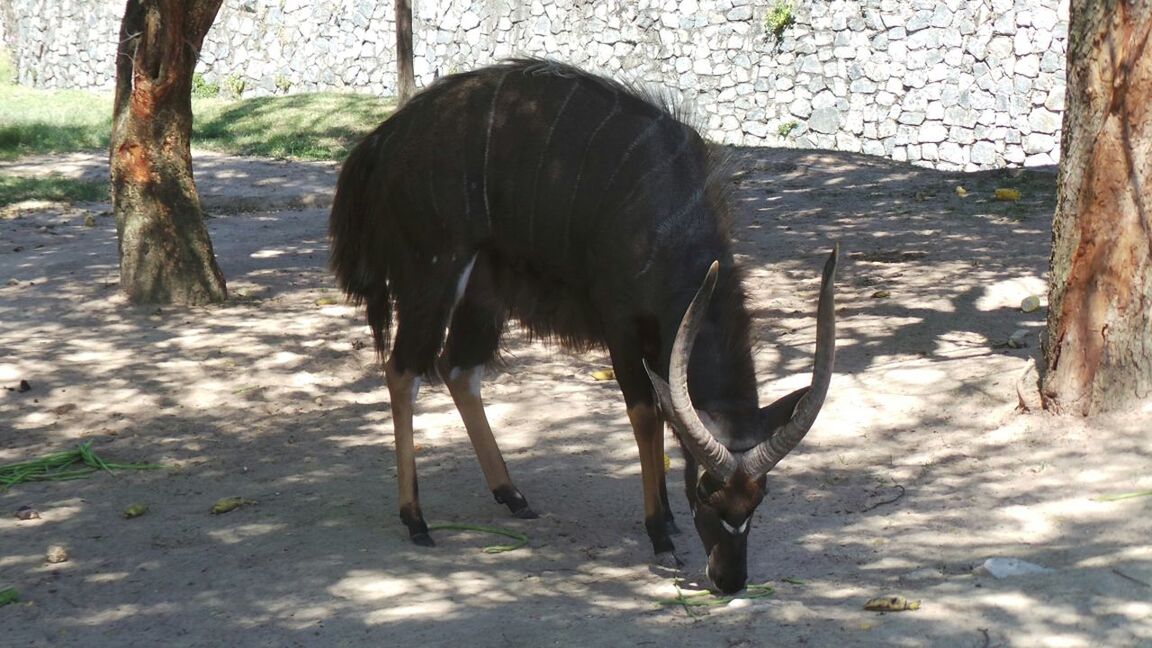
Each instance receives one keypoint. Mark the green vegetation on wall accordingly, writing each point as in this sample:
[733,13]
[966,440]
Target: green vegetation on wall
[778,18]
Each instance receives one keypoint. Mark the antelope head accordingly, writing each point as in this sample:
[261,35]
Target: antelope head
[726,484]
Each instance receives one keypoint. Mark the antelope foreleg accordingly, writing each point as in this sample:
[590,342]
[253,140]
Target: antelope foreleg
[464,385]
[648,428]
[403,388]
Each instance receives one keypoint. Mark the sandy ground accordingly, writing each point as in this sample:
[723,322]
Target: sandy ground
[918,470]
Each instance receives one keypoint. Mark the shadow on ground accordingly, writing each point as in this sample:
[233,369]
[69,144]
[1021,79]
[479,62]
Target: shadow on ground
[917,471]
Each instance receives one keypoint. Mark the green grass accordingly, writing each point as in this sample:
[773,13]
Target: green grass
[305,126]
[77,463]
[51,188]
[52,121]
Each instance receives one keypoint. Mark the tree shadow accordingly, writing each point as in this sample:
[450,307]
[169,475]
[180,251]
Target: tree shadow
[276,397]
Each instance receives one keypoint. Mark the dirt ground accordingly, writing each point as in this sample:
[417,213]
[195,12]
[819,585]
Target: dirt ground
[918,470]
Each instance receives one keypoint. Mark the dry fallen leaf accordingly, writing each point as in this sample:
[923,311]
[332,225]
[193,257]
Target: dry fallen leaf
[226,504]
[891,604]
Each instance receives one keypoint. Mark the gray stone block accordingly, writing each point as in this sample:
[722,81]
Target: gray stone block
[824,120]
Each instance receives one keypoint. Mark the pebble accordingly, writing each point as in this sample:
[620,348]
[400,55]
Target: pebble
[56,554]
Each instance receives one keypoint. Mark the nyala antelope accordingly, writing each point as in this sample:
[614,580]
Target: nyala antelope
[594,216]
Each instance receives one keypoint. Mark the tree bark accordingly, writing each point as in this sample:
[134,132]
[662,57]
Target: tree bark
[405,75]
[165,252]
[1098,348]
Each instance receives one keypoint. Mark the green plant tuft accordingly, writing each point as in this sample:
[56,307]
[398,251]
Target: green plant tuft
[202,88]
[235,86]
[786,128]
[779,18]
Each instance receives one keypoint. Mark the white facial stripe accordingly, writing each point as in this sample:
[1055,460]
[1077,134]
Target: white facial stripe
[735,530]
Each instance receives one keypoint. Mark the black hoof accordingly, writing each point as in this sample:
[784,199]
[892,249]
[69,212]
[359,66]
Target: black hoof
[423,540]
[510,497]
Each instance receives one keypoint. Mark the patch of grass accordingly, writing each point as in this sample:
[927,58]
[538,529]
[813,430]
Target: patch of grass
[303,126]
[61,466]
[52,121]
[51,188]
[786,128]
[778,18]
[320,126]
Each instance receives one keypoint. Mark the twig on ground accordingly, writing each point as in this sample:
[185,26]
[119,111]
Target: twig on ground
[887,501]
[1130,578]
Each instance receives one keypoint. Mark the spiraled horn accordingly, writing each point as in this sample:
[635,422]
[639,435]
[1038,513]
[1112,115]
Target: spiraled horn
[673,395]
[804,404]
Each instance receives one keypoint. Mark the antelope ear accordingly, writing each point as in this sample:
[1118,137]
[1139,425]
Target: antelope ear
[662,389]
[774,416]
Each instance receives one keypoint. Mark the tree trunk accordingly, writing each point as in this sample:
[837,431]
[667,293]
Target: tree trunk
[165,253]
[405,75]
[1098,349]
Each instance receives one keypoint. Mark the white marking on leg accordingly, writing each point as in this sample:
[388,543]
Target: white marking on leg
[461,288]
[462,282]
[415,391]
[475,377]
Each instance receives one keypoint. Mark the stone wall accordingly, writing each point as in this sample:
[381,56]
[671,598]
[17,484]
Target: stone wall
[946,83]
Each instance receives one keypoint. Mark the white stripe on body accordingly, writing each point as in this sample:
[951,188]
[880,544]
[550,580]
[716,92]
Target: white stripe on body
[488,146]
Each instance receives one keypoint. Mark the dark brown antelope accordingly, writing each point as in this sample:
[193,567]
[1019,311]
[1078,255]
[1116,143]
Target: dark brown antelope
[593,216]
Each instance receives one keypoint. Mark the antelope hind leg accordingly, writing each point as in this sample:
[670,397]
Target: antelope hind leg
[464,385]
[403,388]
